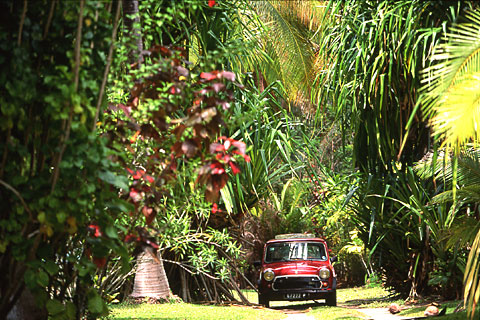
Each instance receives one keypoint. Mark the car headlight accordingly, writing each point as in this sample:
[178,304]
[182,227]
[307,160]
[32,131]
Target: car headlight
[268,275]
[324,273]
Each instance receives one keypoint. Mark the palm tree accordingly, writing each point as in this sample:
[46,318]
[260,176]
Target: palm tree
[289,40]
[451,100]
[150,278]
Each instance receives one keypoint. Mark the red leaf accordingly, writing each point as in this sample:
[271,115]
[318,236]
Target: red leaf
[227,144]
[134,138]
[227,75]
[241,146]
[235,168]
[217,87]
[211,196]
[138,174]
[209,75]
[178,131]
[226,158]
[246,157]
[99,262]
[165,52]
[130,238]
[149,178]
[189,148]
[125,109]
[225,105]
[151,244]
[95,229]
[219,181]
[135,195]
[149,131]
[149,214]
[211,3]
[216,147]
[217,168]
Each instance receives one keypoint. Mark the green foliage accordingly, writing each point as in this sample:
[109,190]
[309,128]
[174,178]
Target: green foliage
[400,224]
[58,185]
[450,98]
[374,52]
[287,42]
[267,135]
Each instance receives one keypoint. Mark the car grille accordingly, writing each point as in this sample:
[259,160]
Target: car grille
[296,282]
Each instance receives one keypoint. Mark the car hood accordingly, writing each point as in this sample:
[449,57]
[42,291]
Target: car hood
[293,268]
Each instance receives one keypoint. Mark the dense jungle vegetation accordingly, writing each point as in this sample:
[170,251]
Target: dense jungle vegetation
[185,134]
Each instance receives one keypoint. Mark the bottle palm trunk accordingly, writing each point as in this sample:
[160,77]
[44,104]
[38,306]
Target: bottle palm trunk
[150,279]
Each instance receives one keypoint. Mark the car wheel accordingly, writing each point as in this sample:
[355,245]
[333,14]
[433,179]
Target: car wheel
[331,299]
[263,300]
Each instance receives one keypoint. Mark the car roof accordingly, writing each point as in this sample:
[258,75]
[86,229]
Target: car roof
[297,240]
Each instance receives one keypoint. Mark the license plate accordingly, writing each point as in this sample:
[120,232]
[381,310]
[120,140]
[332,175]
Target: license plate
[295,295]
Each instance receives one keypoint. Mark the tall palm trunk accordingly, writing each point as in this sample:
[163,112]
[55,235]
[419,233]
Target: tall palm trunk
[150,279]
[131,18]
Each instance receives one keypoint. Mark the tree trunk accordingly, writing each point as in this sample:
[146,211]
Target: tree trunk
[132,30]
[150,279]
[26,309]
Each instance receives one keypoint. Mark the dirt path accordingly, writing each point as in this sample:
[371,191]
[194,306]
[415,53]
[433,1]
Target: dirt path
[379,314]
[370,313]
[299,316]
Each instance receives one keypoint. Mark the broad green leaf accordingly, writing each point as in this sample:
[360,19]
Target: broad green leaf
[113,179]
[55,307]
[42,278]
[95,302]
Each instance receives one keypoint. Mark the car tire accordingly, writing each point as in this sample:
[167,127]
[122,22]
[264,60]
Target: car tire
[263,300]
[331,299]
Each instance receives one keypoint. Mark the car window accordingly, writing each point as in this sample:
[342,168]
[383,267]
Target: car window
[291,251]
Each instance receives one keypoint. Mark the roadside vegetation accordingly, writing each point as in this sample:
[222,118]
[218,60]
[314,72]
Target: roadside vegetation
[169,140]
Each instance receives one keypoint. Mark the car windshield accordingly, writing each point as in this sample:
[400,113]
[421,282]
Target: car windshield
[291,251]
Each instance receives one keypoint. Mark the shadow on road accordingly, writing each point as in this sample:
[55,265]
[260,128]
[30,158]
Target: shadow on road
[298,307]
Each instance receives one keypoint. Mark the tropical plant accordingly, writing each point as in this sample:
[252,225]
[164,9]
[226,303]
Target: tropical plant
[266,132]
[410,234]
[173,120]
[466,173]
[287,40]
[450,100]
[373,53]
[58,184]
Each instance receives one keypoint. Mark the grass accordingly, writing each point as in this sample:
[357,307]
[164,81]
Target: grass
[348,299]
[417,311]
[362,297]
[178,311]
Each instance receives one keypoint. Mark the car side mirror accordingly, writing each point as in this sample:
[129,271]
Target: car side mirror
[257,264]
[333,259]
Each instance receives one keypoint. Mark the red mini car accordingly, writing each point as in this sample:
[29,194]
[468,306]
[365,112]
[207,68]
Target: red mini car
[297,267]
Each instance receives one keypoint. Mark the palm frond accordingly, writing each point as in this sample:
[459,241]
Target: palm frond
[468,168]
[451,84]
[288,40]
[472,278]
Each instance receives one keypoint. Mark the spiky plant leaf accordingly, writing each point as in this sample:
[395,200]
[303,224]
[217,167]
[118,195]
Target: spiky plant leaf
[472,278]
[288,42]
[452,98]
